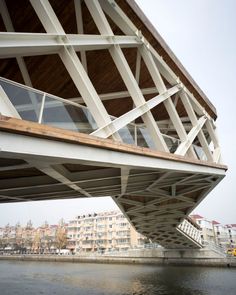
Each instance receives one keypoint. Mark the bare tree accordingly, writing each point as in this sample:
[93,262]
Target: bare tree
[37,243]
[49,242]
[61,238]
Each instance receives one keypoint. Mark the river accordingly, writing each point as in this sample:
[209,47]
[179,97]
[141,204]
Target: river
[24,278]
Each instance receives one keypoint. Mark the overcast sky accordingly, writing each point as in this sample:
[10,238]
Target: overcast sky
[202,34]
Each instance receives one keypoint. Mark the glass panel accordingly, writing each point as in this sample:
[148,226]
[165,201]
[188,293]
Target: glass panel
[144,139]
[26,101]
[59,114]
[90,119]
[127,134]
[172,143]
[200,153]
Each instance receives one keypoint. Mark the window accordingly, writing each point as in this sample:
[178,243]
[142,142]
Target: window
[123,224]
[123,241]
[123,233]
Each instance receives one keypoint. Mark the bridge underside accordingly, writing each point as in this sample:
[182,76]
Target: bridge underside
[155,191]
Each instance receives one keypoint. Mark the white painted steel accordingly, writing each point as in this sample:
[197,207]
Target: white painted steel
[162,178]
[28,146]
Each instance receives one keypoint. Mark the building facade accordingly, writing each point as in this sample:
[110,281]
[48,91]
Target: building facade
[232,234]
[46,239]
[108,231]
[215,233]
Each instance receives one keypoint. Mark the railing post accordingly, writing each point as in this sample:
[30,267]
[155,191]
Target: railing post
[41,109]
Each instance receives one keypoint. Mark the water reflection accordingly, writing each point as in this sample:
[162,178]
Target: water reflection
[26,278]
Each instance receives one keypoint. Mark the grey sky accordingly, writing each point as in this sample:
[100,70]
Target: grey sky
[202,34]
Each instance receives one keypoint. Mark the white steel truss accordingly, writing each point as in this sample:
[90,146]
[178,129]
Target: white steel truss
[192,135]
[57,41]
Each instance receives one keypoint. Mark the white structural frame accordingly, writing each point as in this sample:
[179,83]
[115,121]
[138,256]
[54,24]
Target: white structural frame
[196,128]
[57,41]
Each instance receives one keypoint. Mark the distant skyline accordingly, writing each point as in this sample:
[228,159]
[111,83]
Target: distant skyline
[202,36]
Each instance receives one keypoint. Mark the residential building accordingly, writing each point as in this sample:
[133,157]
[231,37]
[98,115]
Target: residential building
[44,239]
[222,235]
[215,233]
[232,234]
[207,229]
[106,231]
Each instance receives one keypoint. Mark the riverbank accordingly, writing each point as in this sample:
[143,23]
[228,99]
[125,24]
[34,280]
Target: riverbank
[220,262]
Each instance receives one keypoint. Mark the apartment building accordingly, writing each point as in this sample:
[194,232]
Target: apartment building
[207,229]
[222,234]
[108,231]
[27,239]
[232,234]
[213,232]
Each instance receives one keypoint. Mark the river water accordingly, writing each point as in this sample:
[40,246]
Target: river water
[24,278]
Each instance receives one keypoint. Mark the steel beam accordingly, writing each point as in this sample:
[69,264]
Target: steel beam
[73,64]
[26,147]
[185,145]
[31,44]
[130,116]
[193,118]
[126,74]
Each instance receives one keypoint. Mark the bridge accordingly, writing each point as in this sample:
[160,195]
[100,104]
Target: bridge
[94,103]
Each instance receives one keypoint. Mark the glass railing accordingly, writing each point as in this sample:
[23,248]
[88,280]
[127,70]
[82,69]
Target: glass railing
[37,106]
[136,135]
[171,142]
[41,107]
[67,116]
[144,138]
[26,101]
[200,153]
[127,134]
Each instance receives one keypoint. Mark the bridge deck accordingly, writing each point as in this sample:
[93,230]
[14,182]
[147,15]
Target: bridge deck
[155,190]
[32,129]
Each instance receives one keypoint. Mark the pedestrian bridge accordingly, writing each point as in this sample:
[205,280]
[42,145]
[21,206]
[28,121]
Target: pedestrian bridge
[116,115]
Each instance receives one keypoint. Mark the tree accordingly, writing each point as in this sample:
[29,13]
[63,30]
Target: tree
[2,244]
[28,243]
[49,242]
[37,243]
[61,238]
